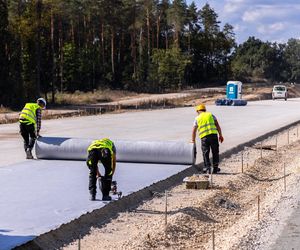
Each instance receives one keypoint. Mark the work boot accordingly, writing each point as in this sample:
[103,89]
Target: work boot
[106,198]
[92,197]
[28,154]
[216,170]
[207,170]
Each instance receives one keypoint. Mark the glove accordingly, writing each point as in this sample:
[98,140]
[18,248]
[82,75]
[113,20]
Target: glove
[221,139]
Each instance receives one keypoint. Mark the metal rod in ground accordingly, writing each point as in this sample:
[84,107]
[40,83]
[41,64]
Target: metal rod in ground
[242,162]
[258,207]
[260,149]
[79,243]
[284,177]
[213,240]
[166,210]
[297,131]
[211,177]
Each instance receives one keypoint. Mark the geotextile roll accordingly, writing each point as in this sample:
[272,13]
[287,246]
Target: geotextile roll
[165,152]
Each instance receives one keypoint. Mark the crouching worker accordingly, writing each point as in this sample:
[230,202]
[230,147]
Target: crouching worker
[30,124]
[104,151]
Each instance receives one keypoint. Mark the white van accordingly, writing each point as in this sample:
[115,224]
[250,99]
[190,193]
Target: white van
[279,92]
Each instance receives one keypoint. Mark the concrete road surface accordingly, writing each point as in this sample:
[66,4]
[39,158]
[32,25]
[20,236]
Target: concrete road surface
[239,124]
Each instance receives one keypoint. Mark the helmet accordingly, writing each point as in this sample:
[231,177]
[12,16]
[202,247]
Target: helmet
[42,100]
[201,107]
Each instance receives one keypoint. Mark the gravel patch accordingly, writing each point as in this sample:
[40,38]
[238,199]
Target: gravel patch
[229,210]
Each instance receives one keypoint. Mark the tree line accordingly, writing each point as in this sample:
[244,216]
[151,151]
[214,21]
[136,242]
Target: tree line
[48,46]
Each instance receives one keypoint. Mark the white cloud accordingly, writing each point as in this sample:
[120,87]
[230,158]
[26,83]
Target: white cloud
[271,28]
[275,12]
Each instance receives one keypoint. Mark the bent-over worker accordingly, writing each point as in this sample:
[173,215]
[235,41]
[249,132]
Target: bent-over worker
[104,151]
[30,124]
[208,128]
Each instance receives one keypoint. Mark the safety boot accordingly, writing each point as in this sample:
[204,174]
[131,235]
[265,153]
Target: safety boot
[92,197]
[207,170]
[216,170]
[106,198]
[28,154]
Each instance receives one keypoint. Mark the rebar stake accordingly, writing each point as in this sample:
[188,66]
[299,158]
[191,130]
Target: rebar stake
[284,177]
[166,210]
[79,243]
[213,240]
[242,162]
[261,150]
[211,178]
[258,207]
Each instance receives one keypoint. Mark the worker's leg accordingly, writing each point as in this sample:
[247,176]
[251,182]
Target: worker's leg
[25,134]
[107,178]
[91,162]
[32,134]
[215,152]
[205,146]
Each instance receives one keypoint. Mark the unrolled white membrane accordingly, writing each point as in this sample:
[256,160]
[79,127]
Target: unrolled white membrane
[170,152]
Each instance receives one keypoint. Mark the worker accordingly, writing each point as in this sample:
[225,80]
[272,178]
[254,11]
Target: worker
[208,129]
[30,124]
[101,150]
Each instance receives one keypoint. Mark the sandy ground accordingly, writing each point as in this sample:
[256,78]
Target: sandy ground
[225,215]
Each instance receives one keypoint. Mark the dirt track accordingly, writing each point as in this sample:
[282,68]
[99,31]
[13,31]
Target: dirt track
[230,208]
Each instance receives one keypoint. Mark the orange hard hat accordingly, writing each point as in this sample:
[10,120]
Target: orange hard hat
[201,107]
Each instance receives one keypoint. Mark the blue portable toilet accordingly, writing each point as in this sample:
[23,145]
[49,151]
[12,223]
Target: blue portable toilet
[234,90]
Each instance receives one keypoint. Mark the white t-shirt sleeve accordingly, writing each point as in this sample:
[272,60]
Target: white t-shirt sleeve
[195,123]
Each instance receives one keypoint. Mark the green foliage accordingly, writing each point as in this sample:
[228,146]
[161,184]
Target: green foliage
[48,46]
[168,68]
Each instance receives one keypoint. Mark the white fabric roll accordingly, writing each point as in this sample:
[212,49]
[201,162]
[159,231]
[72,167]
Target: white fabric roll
[170,152]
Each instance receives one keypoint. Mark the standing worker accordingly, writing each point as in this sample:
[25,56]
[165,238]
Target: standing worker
[30,124]
[101,150]
[208,129]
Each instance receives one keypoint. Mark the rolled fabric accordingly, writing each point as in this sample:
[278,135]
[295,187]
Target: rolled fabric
[167,152]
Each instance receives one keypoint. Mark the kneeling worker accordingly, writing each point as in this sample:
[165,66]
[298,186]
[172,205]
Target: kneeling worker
[30,124]
[208,127]
[101,150]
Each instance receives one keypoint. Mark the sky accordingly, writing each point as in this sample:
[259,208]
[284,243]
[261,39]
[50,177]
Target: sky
[268,20]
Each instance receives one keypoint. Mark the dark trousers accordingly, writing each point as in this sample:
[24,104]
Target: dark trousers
[210,142]
[28,133]
[92,162]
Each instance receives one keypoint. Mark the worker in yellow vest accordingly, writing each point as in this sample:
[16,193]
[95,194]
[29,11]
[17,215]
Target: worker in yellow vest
[30,124]
[208,128]
[104,151]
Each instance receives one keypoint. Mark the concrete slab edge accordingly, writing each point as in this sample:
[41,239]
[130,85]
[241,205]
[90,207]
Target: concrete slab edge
[69,232]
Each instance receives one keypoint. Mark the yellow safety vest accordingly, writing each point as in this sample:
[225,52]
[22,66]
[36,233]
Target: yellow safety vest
[206,124]
[104,143]
[28,113]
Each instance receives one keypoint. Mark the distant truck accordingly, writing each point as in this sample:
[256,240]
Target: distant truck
[279,92]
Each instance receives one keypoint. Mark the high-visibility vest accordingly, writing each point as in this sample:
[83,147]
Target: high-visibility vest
[28,113]
[103,143]
[206,124]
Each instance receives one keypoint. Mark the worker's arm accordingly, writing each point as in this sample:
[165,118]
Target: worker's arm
[221,139]
[114,164]
[194,134]
[38,121]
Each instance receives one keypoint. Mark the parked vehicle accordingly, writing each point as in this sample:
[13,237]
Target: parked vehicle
[279,92]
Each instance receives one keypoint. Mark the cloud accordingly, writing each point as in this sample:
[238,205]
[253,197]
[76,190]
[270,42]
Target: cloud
[271,28]
[274,12]
[272,20]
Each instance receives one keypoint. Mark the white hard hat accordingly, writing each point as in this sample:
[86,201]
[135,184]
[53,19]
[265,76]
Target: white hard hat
[42,100]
